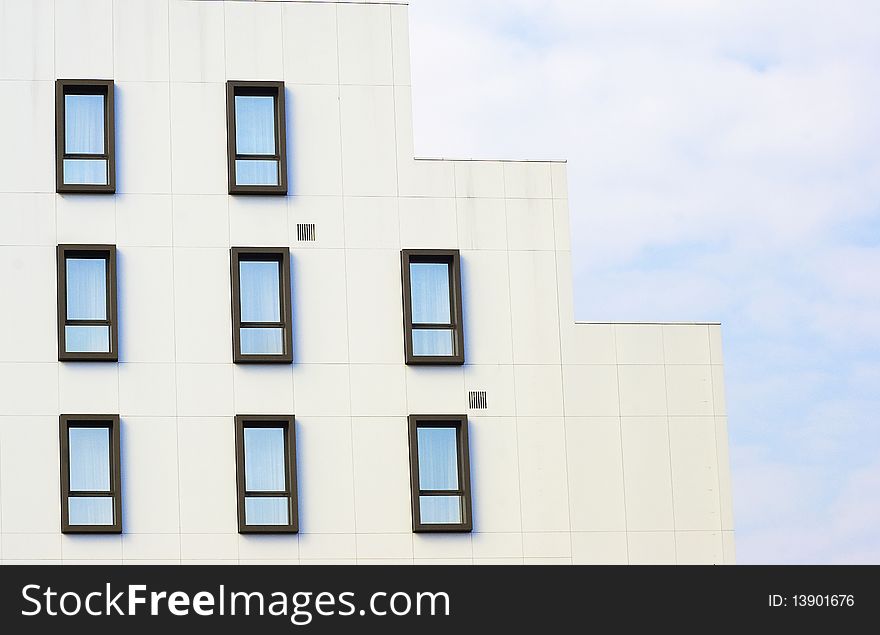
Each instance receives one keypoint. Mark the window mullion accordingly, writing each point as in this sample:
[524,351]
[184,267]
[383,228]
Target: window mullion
[441,492]
[280,494]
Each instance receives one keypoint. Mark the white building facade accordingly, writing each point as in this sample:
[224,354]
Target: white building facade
[587,443]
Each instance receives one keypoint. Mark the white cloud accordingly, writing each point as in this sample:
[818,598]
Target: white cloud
[787,526]
[724,164]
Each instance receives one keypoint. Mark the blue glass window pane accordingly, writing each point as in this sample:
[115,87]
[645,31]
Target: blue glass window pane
[440,510]
[264,460]
[85,172]
[84,124]
[86,289]
[260,291]
[254,124]
[262,341]
[90,510]
[438,458]
[89,450]
[87,339]
[249,172]
[265,511]
[432,343]
[429,284]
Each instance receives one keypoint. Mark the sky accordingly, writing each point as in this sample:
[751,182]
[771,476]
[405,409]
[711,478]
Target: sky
[724,165]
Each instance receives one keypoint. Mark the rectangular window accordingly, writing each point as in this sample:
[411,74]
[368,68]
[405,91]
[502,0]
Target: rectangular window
[87,303]
[91,499]
[440,473]
[256,138]
[432,314]
[261,310]
[265,460]
[84,136]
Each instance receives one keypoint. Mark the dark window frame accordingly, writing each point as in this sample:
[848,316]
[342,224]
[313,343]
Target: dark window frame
[288,423]
[282,256]
[108,253]
[452,257]
[85,87]
[276,90]
[91,421]
[460,423]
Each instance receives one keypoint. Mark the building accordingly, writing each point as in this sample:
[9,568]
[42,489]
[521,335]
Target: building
[137,312]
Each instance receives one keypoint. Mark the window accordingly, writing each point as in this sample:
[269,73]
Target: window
[432,312]
[87,303]
[91,499]
[265,462]
[256,138]
[440,473]
[261,332]
[84,136]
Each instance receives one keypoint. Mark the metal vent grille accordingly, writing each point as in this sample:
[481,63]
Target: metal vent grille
[477,400]
[305,232]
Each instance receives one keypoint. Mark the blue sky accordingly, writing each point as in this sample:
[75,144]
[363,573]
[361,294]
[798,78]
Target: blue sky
[724,165]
